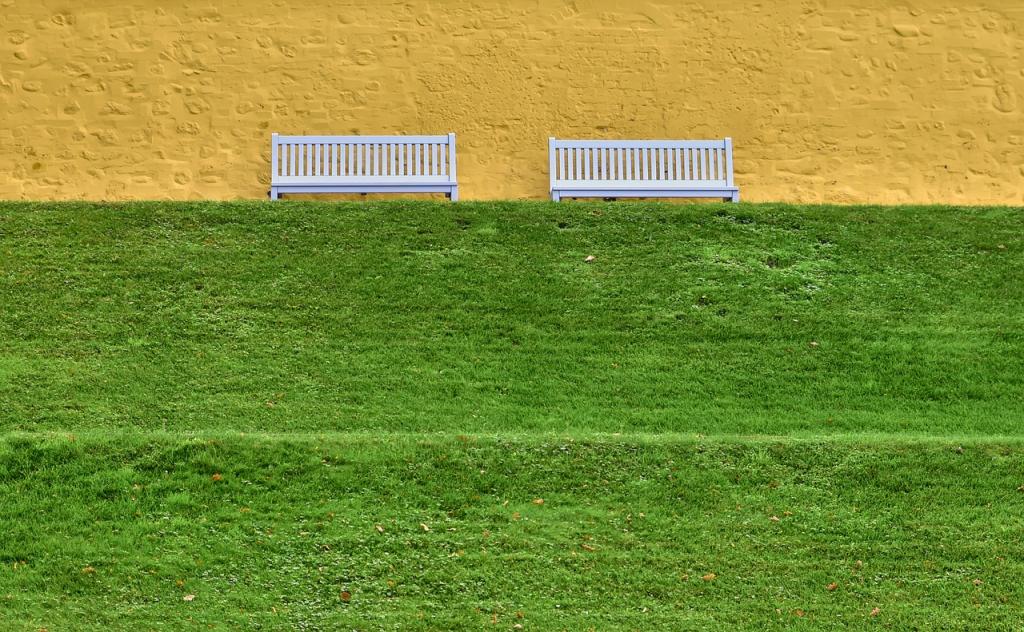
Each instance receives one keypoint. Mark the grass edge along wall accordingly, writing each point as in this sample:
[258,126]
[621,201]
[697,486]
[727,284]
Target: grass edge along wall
[849,102]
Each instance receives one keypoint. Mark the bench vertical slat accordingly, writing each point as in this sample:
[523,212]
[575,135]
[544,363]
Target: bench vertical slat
[552,163]
[729,177]
[451,159]
[707,164]
[273,157]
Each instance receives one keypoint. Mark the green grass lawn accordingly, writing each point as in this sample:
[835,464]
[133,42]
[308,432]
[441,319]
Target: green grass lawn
[345,416]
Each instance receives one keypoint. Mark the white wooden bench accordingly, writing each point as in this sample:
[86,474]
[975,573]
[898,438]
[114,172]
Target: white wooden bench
[642,168]
[363,164]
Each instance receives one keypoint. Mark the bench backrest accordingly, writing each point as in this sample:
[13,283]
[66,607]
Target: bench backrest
[362,158]
[706,163]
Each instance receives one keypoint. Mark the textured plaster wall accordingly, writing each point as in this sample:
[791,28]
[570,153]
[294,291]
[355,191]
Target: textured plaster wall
[827,100]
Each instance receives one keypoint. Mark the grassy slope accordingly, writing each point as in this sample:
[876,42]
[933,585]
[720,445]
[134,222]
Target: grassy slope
[625,535]
[140,341]
[484,317]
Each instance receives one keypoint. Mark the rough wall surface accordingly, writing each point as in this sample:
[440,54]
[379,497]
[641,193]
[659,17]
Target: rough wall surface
[843,100]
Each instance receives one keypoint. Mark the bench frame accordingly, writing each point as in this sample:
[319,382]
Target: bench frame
[642,168]
[363,164]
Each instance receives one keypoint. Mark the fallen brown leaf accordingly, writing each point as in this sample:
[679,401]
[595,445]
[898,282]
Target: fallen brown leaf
[88,570]
[424,526]
[587,547]
[774,518]
[346,596]
[379,528]
[798,612]
[875,612]
[217,477]
[188,597]
[977,582]
[710,577]
[538,501]
[832,586]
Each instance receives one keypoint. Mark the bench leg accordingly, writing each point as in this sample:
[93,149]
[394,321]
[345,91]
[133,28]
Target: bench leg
[736,197]
[274,195]
[453,195]
[556,196]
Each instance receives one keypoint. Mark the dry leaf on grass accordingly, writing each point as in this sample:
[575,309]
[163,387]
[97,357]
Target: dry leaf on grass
[832,586]
[538,501]
[590,259]
[424,526]
[379,528]
[188,597]
[217,477]
[346,596]
[710,577]
[875,612]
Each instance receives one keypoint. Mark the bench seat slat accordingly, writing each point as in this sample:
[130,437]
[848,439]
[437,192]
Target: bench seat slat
[640,184]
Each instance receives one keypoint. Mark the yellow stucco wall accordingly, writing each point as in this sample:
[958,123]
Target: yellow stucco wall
[838,100]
